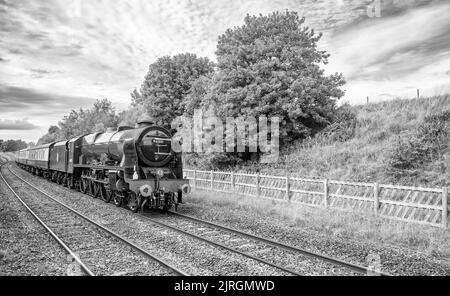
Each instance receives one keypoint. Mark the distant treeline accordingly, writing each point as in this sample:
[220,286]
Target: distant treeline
[12,145]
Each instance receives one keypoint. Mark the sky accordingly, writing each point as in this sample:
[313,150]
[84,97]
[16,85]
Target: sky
[59,55]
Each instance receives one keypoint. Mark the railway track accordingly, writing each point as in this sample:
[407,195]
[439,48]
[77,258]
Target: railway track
[222,245]
[255,246]
[202,225]
[262,250]
[285,271]
[96,249]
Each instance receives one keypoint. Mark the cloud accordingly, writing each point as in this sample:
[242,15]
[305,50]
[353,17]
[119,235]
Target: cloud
[40,71]
[29,101]
[95,49]
[400,53]
[16,125]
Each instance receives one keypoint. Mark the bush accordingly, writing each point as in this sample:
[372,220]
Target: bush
[425,145]
[213,161]
[344,126]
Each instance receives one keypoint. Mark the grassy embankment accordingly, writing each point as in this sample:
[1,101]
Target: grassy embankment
[334,223]
[390,142]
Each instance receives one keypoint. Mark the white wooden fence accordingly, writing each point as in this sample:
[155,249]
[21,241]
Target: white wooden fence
[411,204]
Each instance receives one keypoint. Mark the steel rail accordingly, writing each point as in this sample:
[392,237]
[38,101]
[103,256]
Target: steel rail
[115,235]
[219,245]
[351,266]
[60,242]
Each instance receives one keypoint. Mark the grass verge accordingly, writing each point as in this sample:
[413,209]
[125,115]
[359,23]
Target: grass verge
[342,224]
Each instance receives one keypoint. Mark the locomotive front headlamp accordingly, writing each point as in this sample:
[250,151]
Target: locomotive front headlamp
[146,190]
[160,173]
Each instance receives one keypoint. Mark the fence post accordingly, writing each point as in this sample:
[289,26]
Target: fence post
[326,192]
[212,179]
[233,182]
[376,196]
[444,207]
[195,179]
[288,187]
[258,189]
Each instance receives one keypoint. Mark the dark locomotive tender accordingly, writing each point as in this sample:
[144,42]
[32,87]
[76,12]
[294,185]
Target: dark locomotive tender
[135,166]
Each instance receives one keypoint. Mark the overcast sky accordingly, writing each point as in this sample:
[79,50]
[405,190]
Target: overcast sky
[57,55]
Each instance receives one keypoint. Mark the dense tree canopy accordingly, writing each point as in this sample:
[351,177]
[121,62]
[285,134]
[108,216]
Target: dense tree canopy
[12,145]
[96,119]
[271,66]
[199,96]
[167,83]
[132,115]
[53,135]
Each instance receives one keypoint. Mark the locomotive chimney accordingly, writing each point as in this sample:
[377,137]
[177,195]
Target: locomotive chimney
[145,122]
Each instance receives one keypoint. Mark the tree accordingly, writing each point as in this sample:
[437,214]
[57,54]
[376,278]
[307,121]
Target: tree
[131,116]
[12,145]
[167,83]
[199,96]
[97,119]
[271,66]
[100,117]
[135,96]
[53,135]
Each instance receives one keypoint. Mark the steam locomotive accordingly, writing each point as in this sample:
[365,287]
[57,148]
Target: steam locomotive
[136,167]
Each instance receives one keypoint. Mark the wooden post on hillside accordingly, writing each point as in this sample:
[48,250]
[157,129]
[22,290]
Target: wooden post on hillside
[418,93]
[367,100]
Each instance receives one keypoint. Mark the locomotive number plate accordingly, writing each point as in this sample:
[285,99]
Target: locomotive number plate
[156,141]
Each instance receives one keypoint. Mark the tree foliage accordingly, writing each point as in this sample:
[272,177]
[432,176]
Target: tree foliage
[132,115]
[343,127]
[271,66]
[53,135]
[12,145]
[199,96]
[167,83]
[80,122]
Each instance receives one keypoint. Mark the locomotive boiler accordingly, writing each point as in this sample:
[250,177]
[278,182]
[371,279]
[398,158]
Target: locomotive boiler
[132,166]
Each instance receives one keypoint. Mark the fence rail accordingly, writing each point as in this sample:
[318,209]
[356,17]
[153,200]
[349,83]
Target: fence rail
[411,204]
